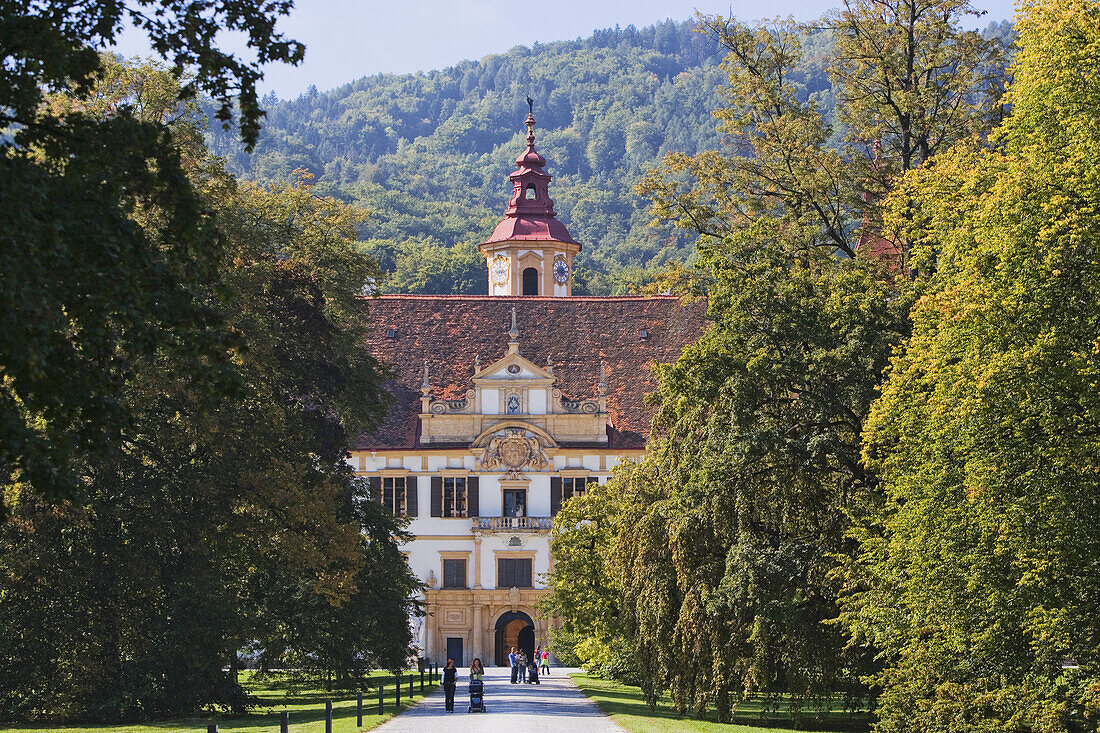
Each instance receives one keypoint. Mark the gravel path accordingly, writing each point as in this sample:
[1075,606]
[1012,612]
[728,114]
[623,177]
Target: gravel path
[556,704]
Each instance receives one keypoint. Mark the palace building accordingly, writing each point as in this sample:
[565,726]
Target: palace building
[505,407]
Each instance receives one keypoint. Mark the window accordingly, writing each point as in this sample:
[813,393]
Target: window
[513,404]
[530,281]
[454,573]
[454,497]
[515,502]
[531,192]
[571,487]
[514,572]
[395,494]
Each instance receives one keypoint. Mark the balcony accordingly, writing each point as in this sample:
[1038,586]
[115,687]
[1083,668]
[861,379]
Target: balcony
[513,524]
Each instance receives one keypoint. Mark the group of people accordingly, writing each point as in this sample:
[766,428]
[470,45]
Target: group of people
[450,679]
[523,670]
[527,670]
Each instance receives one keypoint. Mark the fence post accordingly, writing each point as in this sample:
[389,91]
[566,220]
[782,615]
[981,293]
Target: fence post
[411,680]
[284,723]
[397,685]
[381,700]
[358,710]
[328,716]
[421,680]
[211,728]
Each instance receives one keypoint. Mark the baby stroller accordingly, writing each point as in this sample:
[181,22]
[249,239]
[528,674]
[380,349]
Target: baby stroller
[477,697]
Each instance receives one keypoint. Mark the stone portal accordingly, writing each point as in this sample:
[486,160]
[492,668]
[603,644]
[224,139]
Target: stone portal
[513,629]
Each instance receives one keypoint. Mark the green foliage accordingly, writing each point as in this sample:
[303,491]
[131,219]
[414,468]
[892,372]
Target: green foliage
[909,81]
[220,518]
[980,559]
[51,46]
[627,706]
[731,534]
[87,293]
[428,154]
[733,522]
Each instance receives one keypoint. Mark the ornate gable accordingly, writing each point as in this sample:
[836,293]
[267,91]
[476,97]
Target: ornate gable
[512,398]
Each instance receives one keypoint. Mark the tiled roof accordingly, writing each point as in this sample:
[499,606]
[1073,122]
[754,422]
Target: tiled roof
[448,330]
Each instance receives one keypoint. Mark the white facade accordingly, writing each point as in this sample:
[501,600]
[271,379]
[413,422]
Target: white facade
[481,492]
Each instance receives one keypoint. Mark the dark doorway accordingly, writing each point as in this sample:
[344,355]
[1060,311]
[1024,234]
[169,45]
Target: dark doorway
[454,650]
[530,281]
[527,641]
[513,629]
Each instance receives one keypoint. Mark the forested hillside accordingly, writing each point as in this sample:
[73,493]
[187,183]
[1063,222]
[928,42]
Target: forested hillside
[428,154]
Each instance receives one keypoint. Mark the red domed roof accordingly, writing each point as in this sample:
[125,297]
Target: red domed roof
[530,215]
[536,228]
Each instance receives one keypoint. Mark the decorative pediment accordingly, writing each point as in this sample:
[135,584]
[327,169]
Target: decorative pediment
[513,451]
[513,367]
[514,393]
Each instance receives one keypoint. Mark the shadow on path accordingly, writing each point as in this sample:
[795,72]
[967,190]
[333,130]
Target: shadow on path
[556,704]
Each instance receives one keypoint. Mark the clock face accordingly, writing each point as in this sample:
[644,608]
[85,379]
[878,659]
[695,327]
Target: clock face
[561,271]
[499,270]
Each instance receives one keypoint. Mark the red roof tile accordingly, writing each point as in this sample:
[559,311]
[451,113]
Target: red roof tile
[577,333]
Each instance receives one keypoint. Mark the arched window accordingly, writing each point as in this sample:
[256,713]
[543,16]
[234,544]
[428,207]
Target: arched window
[531,192]
[530,281]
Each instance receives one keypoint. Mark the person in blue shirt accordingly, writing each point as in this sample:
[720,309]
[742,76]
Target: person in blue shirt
[513,662]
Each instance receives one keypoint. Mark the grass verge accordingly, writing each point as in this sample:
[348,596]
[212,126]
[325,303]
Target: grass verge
[306,708]
[626,706]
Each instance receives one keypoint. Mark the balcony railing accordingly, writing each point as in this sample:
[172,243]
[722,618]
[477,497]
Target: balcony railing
[513,523]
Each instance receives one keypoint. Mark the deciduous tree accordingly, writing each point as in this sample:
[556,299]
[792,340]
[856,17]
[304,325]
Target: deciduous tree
[86,291]
[978,566]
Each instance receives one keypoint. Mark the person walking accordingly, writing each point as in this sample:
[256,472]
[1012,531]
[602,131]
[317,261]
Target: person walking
[477,672]
[513,662]
[450,679]
[546,662]
[521,660]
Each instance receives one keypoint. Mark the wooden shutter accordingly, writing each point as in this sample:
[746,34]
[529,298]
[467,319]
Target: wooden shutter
[555,495]
[411,507]
[473,504]
[437,496]
[524,573]
[374,483]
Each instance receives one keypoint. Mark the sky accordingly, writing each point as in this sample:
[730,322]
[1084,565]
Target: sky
[349,39]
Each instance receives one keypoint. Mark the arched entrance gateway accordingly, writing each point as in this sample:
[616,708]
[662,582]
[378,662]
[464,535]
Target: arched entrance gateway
[513,629]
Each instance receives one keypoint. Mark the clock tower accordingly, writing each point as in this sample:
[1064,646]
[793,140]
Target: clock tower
[530,252]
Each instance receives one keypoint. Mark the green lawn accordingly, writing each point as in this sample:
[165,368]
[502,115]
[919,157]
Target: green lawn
[306,708]
[625,705]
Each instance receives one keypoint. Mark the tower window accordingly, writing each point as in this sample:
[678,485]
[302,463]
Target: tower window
[531,192]
[530,281]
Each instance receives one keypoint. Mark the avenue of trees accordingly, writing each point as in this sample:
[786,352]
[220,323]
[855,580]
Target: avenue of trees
[180,374]
[873,481]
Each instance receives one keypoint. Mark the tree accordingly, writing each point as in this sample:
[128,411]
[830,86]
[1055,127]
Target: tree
[979,560]
[87,293]
[217,518]
[733,529]
[909,82]
[583,591]
[733,523]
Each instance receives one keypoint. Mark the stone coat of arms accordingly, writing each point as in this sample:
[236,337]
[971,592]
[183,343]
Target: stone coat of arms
[512,452]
